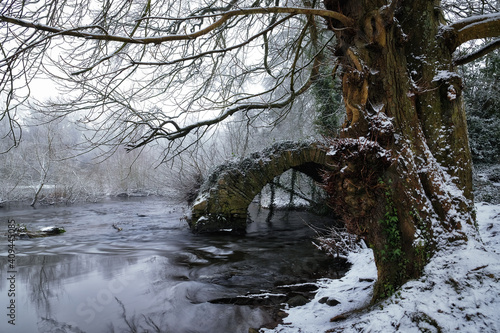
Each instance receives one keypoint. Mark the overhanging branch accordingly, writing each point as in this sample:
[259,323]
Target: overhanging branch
[80,33]
[206,53]
[180,132]
[473,20]
[476,27]
[478,54]
[157,132]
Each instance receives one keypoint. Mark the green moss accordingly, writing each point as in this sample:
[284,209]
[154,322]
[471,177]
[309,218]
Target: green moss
[392,252]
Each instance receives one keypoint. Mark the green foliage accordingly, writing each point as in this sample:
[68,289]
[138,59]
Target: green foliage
[389,290]
[328,102]
[392,253]
[482,100]
[390,223]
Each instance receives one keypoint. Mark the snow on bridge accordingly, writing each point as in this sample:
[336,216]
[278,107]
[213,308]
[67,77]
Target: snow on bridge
[225,196]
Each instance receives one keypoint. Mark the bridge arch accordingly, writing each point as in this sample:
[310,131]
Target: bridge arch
[224,198]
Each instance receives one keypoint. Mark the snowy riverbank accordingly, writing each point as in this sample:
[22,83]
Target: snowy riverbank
[460,292]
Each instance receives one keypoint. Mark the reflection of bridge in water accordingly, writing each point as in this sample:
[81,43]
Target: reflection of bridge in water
[224,197]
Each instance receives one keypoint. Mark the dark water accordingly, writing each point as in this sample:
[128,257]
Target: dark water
[152,276]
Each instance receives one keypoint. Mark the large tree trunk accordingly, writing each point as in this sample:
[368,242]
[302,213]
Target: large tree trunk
[404,173]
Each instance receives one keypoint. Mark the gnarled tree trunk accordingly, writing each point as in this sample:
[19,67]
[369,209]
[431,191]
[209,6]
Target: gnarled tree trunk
[404,179]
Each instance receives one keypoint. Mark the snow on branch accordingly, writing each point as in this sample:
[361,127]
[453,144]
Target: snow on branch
[495,44]
[475,27]
[461,24]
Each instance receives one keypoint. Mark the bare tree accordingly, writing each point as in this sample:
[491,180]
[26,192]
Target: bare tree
[403,168]
[205,62]
[40,150]
[43,165]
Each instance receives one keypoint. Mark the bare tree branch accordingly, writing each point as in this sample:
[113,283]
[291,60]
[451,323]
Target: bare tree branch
[203,55]
[134,72]
[206,53]
[77,32]
[179,132]
[478,54]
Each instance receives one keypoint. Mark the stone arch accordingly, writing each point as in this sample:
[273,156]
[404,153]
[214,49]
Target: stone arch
[225,196]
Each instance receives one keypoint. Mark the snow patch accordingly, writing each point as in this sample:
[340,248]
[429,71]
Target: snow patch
[353,291]
[459,292]
[444,75]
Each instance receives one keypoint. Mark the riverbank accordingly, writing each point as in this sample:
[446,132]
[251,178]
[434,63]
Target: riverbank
[459,291]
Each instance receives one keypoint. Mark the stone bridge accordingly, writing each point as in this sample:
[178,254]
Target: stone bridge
[224,197]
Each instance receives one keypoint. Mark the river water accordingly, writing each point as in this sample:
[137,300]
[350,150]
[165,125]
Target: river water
[154,275]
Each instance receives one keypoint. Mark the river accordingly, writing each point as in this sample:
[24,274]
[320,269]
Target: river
[154,275]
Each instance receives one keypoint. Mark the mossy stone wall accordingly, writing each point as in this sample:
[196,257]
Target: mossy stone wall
[224,198]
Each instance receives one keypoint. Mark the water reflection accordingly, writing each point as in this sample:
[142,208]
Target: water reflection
[154,275]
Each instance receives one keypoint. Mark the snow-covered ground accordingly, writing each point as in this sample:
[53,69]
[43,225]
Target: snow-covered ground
[459,292]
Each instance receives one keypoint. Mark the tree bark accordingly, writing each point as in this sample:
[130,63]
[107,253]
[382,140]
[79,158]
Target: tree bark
[404,172]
